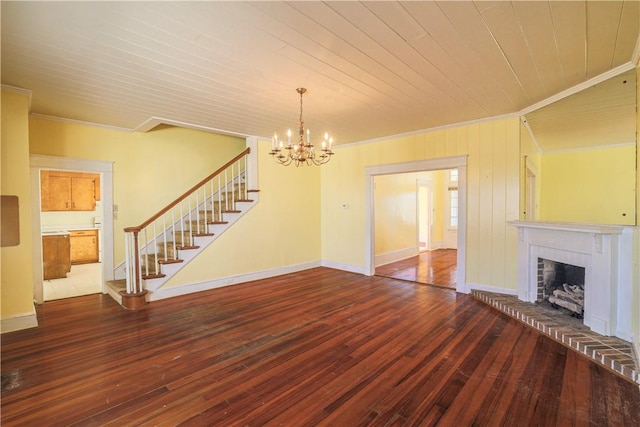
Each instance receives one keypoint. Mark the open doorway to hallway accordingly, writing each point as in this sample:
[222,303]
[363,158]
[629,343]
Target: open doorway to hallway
[393,196]
[416,221]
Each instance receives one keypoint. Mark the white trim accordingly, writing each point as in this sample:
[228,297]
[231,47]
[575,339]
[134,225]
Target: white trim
[436,245]
[18,322]
[154,121]
[105,168]
[635,57]
[252,163]
[459,162]
[175,291]
[427,130]
[525,123]
[486,288]
[397,255]
[79,122]
[344,267]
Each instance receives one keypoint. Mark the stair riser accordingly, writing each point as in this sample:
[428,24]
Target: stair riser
[210,216]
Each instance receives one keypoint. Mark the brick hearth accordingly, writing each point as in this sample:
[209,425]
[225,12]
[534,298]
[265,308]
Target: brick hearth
[611,352]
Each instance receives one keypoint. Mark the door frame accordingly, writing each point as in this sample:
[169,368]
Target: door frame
[456,162]
[38,162]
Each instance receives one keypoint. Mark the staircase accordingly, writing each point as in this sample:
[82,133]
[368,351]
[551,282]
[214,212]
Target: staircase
[161,246]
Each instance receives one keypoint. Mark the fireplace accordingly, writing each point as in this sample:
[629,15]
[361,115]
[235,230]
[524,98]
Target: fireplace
[562,286]
[602,252]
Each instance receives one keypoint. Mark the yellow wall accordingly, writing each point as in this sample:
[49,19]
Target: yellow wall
[395,204]
[150,169]
[17,277]
[492,186]
[577,186]
[282,230]
[439,226]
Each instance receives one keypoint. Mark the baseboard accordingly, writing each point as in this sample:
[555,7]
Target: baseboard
[18,322]
[397,255]
[186,289]
[435,245]
[487,288]
[344,267]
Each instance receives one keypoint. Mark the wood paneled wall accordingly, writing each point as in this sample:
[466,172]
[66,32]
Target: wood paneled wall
[492,194]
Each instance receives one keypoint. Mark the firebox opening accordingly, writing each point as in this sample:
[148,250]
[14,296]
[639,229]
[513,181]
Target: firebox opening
[562,286]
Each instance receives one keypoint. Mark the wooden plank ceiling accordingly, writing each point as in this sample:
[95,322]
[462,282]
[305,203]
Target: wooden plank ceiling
[372,69]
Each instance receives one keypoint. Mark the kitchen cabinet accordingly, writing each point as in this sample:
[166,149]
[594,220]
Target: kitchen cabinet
[69,191]
[56,262]
[84,246]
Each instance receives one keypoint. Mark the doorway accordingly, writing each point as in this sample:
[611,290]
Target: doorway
[105,169]
[460,164]
[71,218]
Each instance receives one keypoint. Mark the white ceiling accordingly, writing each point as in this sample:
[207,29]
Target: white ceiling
[372,69]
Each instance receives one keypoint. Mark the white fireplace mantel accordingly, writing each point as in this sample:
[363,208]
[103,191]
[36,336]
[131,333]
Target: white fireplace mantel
[606,253]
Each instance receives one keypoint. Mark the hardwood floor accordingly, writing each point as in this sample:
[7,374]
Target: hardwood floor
[320,347]
[430,267]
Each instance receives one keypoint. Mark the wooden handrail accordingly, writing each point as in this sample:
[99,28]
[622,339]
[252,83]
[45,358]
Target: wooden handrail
[187,193]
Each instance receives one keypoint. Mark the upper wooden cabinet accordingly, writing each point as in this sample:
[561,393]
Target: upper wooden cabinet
[69,191]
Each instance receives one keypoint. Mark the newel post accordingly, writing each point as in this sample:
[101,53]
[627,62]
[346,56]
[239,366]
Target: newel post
[134,297]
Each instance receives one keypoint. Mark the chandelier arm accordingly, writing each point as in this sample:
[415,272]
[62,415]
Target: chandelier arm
[301,153]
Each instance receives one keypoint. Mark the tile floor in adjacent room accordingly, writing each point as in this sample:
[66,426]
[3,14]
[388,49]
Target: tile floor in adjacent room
[83,279]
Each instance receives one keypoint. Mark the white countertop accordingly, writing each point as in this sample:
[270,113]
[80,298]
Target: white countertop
[61,230]
[55,233]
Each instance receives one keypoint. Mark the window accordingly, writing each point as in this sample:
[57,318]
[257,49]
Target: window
[453,198]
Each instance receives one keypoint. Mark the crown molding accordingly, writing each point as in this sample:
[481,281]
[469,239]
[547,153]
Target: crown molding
[635,57]
[152,122]
[79,122]
[428,130]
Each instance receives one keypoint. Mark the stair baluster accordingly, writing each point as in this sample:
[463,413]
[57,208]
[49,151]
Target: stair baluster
[143,260]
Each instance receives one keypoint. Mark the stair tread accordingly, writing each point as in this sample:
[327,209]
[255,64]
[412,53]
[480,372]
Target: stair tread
[186,248]
[166,252]
[118,285]
[170,261]
[153,276]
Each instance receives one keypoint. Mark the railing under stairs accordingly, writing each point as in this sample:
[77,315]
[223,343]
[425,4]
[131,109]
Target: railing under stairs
[158,241]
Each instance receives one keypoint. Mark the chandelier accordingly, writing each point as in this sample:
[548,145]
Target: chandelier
[301,152]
